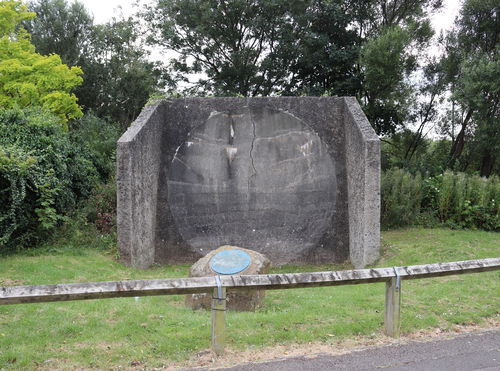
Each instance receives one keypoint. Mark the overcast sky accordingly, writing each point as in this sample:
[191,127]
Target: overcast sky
[104,10]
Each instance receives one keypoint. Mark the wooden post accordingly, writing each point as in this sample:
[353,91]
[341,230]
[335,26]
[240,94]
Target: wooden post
[218,320]
[393,307]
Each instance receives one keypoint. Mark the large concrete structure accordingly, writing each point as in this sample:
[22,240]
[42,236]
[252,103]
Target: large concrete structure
[295,178]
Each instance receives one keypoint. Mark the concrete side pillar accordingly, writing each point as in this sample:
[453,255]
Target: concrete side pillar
[363,185]
[138,168]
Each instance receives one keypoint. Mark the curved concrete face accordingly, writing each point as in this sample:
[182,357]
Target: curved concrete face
[258,178]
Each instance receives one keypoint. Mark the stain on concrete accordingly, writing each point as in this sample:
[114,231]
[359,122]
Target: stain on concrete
[259,178]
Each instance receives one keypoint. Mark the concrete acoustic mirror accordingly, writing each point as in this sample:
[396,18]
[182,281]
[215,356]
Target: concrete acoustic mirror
[294,178]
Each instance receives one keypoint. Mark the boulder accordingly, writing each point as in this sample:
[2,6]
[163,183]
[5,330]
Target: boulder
[240,300]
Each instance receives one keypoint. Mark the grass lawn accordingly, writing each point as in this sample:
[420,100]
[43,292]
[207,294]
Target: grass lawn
[154,331]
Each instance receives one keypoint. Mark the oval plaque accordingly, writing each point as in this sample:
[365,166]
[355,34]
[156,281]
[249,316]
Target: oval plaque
[230,261]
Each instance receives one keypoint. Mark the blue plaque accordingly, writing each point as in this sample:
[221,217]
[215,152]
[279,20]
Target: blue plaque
[230,261]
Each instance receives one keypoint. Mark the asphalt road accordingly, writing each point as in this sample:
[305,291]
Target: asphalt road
[480,351]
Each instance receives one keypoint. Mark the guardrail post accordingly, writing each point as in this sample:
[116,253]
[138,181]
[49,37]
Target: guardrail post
[393,307]
[219,320]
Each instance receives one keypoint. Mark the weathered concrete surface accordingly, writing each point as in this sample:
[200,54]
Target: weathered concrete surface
[268,180]
[138,168]
[241,300]
[363,185]
[258,178]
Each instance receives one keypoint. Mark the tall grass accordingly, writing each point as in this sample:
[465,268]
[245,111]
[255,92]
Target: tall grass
[457,200]
[402,198]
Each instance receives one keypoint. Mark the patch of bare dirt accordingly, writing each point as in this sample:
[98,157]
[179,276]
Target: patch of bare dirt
[9,282]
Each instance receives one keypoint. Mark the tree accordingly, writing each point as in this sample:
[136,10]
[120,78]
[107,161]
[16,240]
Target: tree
[479,91]
[298,47]
[386,90]
[60,28]
[369,17]
[337,30]
[426,110]
[243,47]
[28,78]
[118,78]
[328,52]
[395,34]
[472,67]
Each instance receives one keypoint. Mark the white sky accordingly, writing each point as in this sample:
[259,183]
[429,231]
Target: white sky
[446,16]
[104,10]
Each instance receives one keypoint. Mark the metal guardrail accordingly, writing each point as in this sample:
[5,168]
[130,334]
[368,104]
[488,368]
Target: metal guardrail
[218,285]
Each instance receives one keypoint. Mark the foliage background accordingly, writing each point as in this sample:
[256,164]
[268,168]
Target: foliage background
[42,175]
[69,87]
[455,200]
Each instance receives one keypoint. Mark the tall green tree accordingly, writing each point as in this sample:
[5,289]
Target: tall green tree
[369,17]
[60,27]
[243,47]
[472,66]
[365,48]
[386,91]
[478,91]
[327,52]
[396,33]
[118,78]
[337,30]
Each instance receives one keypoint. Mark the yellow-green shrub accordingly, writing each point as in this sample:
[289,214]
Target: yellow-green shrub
[28,79]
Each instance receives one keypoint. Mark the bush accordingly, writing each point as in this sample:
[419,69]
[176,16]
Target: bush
[457,200]
[467,201]
[100,209]
[100,137]
[42,175]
